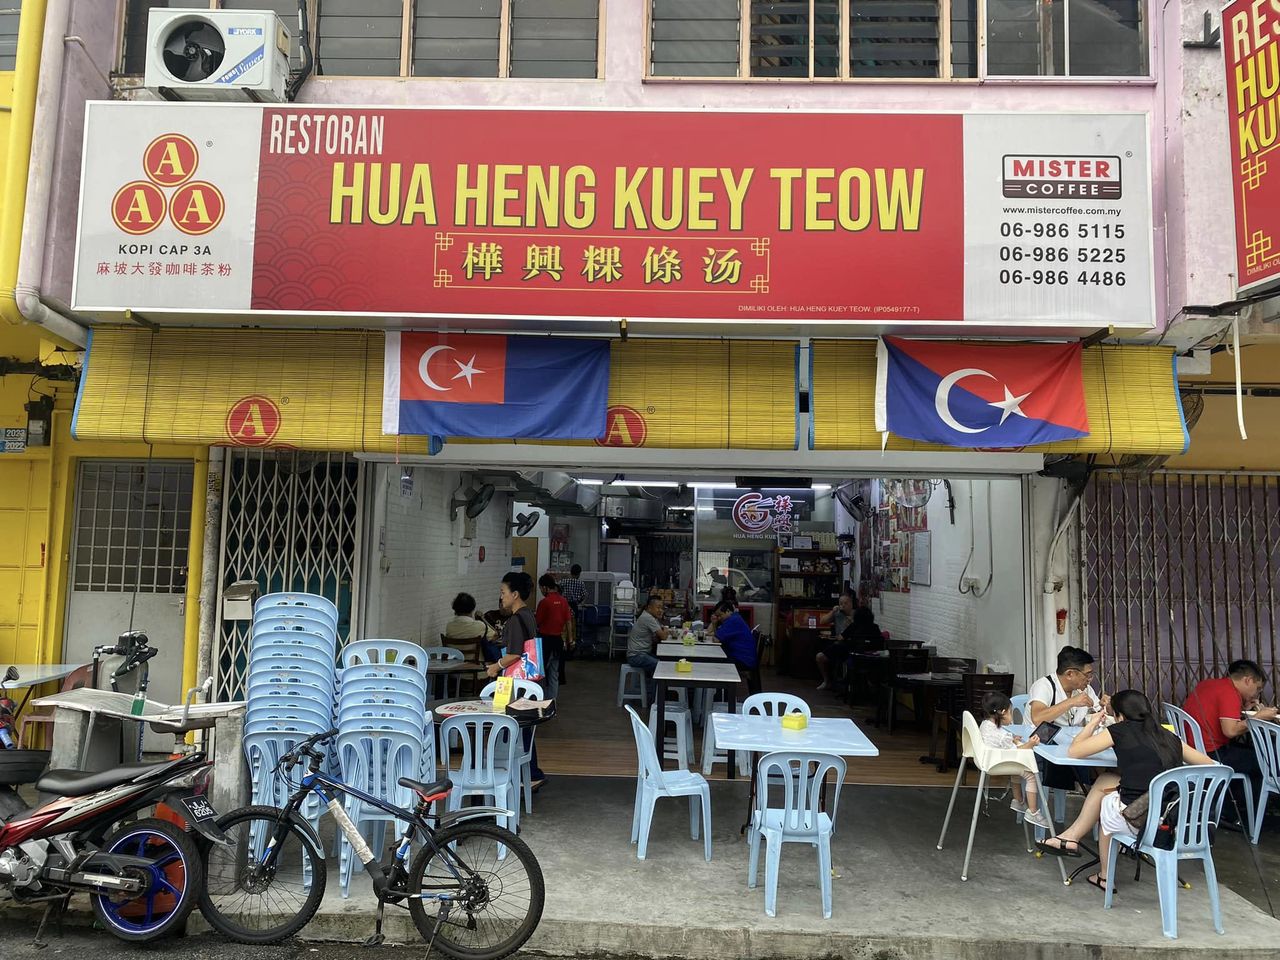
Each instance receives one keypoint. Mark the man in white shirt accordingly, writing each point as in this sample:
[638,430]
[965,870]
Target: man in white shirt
[1065,697]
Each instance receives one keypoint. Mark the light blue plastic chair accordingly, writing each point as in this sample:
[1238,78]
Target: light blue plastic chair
[1188,730]
[1266,744]
[533,691]
[653,782]
[798,820]
[282,618]
[489,745]
[774,705]
[1059,796]
[1200,791]
[385,652]
[444,654]
[279,623]
[1019,703]
[297,601]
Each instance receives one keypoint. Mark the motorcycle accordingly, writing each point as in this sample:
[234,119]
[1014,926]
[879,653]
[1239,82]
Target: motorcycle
[143,876]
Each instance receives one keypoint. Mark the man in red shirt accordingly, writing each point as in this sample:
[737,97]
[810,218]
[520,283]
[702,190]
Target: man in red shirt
[1217,704]
[553,613]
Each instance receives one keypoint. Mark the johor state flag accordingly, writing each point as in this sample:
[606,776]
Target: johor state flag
[980,395]
[471,385]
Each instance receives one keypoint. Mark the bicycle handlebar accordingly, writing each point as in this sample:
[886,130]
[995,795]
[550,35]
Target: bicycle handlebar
[305,749]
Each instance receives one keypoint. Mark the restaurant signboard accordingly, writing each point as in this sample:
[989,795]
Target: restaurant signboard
[996,220]
[1251,35]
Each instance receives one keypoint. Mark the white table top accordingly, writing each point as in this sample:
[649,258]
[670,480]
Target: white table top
[708,673]
[696,651]
[765,734]
[34,674]
[1056,752]
[111,704]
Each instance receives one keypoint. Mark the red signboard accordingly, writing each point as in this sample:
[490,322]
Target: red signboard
[1251,32]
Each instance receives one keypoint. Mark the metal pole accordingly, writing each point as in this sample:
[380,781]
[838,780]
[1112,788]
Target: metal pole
[209,569]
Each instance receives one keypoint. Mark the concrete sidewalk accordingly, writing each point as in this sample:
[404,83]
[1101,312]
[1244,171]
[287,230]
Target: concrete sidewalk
[895,895]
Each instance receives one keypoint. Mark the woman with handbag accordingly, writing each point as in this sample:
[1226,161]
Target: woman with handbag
[1144,750]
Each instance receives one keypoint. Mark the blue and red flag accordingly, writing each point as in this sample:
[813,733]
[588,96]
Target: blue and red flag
[479,385]
[980,395]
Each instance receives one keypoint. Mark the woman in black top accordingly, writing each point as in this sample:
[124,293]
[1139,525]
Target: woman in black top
[1144,750]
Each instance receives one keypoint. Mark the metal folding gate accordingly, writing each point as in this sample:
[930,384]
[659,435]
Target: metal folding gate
[291,521]
[1179,576]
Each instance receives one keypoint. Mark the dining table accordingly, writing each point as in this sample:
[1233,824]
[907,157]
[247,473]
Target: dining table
[715,676]
[759,734]
[691,651]
[453,668]
[32,675]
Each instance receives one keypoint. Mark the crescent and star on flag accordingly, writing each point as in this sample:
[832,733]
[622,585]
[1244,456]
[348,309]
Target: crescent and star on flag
[1010,406]
[465,370]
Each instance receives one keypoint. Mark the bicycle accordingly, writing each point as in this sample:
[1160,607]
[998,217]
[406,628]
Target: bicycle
[484,879]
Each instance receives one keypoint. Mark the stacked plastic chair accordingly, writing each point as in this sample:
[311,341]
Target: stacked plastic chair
[385,732]
[289,686]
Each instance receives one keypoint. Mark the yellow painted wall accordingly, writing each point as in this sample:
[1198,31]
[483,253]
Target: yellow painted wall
[1215,439]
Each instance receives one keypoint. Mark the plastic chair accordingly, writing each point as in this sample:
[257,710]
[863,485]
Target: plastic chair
[1200,791]
[679,746]
[626,675]
[43,717]
[489,757]
[444,654]
[533,691]
[773,705]
[520,690]
[710,755]
[306,601]
[991,763]
[798,820]
[1188,730]
[385,652]
[1019,705]
[374,759]
[1266,744]
[653,782]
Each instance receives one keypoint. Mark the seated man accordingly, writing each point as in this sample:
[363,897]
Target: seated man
[1064,698]
[832,657]
[646,631]
[1217,705]
[735,637]
[464,625]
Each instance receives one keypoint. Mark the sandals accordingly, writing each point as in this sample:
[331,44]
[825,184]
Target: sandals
[1061,850]
[1097,881]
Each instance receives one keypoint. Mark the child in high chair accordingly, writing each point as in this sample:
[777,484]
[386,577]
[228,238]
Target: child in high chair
[997,713]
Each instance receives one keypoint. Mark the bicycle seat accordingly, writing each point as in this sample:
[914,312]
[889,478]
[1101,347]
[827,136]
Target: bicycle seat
[78,783]
[428,791]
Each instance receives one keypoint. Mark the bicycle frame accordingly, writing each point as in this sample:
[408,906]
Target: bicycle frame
[386,879]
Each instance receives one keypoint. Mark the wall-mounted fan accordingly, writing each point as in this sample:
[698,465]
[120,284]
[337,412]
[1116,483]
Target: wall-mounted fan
[909,493]
[854,504]
[524,523]
[474,500]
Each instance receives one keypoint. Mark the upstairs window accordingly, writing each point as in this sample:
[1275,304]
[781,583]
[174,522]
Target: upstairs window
[896,39]
[9,12]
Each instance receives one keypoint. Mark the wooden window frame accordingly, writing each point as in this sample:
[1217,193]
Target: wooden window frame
[946,69]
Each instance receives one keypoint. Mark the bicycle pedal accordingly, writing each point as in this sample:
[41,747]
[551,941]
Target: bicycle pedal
[377,940]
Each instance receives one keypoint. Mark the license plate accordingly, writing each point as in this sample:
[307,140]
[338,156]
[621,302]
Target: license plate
[200,809]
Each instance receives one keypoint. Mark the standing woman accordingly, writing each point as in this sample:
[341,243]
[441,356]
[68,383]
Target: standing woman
[1144,750]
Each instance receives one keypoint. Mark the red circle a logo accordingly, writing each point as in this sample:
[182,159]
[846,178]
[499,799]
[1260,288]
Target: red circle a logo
[170,159]
[253,421]
[624,427]
[197,207]
[138,207]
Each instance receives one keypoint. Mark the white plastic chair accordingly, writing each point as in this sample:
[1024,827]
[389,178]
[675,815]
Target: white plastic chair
[800,819]
[1266,744]
[991,763]
[1188,730]
[626,675]
[490,744]
[373,757]
[521,689]
[444,655]
[385,652]
[710,755]
[653,782]
[774,705]
[1200,791]
[677,746]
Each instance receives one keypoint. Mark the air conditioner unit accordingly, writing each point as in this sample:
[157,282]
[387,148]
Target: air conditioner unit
[217,54]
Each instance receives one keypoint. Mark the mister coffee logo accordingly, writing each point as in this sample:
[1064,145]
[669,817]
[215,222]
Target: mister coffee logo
[193,206]
[1060,177]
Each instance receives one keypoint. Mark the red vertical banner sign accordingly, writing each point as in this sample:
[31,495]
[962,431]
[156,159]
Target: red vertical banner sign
[1251,49]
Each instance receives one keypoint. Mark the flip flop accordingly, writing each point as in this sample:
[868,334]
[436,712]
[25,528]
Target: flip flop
[1061,850]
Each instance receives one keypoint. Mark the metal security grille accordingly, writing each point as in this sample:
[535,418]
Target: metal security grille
[133,523]
[1179,574]
[291,521]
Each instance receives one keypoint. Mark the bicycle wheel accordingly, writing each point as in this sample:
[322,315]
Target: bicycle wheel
[250,903]
[498,903]
[172,876]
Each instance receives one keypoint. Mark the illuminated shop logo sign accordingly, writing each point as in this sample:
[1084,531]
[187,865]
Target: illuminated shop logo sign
[755,514]
[1086,178]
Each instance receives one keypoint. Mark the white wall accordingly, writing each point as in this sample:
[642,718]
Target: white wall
[417,562]
[990,628]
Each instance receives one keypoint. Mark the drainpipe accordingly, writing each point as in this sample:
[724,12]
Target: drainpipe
[40,181]
[1049,606]
[212,493]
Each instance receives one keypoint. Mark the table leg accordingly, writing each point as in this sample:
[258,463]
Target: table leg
[731,755]
[660,738]
[751,796]
[1047,807]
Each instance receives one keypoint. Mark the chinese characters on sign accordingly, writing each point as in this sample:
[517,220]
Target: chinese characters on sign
[755,515]
[483,260]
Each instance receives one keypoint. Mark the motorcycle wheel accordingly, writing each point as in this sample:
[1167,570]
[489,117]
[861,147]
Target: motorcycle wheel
[174,879]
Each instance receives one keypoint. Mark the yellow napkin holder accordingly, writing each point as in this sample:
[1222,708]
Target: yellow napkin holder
[502,694]
[794,721]
[684,666]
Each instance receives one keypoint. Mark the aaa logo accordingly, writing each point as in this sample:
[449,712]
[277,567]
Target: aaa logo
[253,421]
[624,427]
[195,206]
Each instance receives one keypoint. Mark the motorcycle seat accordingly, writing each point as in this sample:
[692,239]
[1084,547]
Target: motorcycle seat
[78,783]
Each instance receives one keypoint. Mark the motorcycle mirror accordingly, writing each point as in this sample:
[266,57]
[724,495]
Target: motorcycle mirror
[11,674]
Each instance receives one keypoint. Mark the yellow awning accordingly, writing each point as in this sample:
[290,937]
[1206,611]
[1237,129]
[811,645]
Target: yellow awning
[1131,395]
[323,391]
